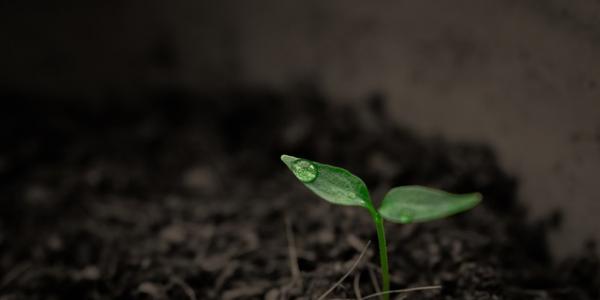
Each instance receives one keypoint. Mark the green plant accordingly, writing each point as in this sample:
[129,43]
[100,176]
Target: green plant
[404,204]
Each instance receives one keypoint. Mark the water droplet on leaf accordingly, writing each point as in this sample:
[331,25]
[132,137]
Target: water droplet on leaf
[304,170]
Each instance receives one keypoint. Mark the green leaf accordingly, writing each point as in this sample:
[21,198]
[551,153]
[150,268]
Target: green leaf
[333,184]
[407,204]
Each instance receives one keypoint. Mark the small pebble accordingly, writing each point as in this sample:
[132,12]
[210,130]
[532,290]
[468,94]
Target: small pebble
[173,234]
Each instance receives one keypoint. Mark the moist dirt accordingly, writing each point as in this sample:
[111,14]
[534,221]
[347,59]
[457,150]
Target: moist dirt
[183,196]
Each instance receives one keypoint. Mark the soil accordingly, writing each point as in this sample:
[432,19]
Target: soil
[183,196]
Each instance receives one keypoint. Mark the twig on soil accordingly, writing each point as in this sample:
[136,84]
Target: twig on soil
[226,273]
[14,274]
[422,288]
[293,255]
[347,273]
[374,280]
[357,287]
[185,287]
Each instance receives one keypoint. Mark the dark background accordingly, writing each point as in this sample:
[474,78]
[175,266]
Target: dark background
[522,76]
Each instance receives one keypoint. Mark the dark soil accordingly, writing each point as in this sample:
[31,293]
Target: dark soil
[184,197]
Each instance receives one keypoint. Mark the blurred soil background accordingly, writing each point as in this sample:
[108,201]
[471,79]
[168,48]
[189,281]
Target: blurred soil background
[522,76]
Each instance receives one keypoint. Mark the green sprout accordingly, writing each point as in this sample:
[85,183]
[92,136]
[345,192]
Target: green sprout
[403,204]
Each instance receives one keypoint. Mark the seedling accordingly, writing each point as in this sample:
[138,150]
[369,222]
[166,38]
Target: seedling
[403,204]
